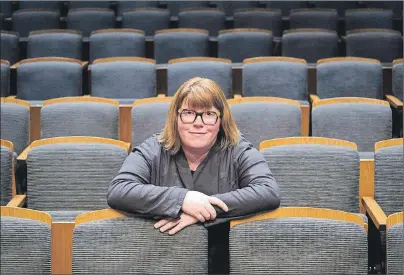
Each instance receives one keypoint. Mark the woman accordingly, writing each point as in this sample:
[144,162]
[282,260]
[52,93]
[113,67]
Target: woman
[200,168]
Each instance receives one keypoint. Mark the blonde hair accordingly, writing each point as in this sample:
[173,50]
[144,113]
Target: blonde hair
[199,93]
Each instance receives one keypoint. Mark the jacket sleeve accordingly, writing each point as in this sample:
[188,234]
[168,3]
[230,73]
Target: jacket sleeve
[258,190]
[131,190]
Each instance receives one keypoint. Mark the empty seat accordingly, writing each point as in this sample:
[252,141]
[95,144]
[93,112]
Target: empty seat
[123,6]
[69,175]
[239,44]
[148,20]
[51,5]
[363,121]
[5,77]
[7,171]
[58,43]
[395,244]
[395,6]
[175,6]
[368,18]
[302,241]
[230,7]
[89,4]
[286,6]
[183,69]
[382,44]
[176,43]
[275,76]
[48,77]
[28,20]
[123,78]
[80,116]
[6,8]
[87,20]
[212,20]
[149,117]
[397,90]
[278,117]
[116,42]
[266,19]
[100,238]
[349,77]
[310,44]
[314,18]
[339,6]
[25,241]
[10,49]
[15,122]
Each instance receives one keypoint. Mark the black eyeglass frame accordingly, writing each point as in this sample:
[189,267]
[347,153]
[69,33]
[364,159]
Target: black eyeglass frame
[198,114]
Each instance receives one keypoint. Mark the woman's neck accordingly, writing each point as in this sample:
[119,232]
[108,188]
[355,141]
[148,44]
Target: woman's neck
[195,157]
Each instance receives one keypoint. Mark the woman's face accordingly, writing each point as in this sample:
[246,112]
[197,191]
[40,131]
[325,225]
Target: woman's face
[197,135]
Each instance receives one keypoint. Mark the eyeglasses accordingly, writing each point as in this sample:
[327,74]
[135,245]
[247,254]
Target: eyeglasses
[189,116]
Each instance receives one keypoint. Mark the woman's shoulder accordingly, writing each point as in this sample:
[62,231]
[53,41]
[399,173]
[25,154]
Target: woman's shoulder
[242,145]
[149,148]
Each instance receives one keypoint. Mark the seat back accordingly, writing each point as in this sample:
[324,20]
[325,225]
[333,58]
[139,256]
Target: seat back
[397,90]
[58,43]
[395,243]
[103,241]
[212,20]
[15,122]
[363,121]
[183,69]
[126,77]
[116,42]
[123,6]
[266,19]
[148,20]
[311,171]
[48,77]
[28,20]
[5,77]
[72,173]
[87,20]
[299,241]
[7,171]
[51,5]
[239,44]
[349,77]
[176,43]
[368,18]
[25,241]
[231,7]
[9,43]
[275,76]
[175,6]
[86,116]
[277,118]
[314,18]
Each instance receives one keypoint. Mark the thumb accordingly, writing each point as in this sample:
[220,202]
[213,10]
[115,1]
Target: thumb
[218,202]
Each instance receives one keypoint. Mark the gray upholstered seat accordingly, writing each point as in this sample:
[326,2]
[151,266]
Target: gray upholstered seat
[25,245]
[116,42]
[89,4]
[175,6]
[382,44]
[51,5]
[266,19]
[340,6]
[239,44]
[104,247]
[395,245]
[125,78]
[147,120]
[298,245]
[123,6]
[148,20]
[259,121]
[368,18]
[49,78]
[349,77]
[176,43]
[87,20]
[230,7]
[15,123]
[28,20]
[314,18]
[286,6]
[6,8]
[6,176]
[397,90]
[209,19]
[69,177]
[10,49]
[5,78]
[72,117]
[310,44]
[60,43]
[218,70]
[275,76]
[362,123]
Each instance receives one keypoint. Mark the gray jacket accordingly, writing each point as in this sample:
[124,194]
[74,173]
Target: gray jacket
[153,182]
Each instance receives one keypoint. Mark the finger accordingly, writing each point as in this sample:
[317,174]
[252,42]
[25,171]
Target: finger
[178,228]
[200,217]
[169,225]
[211,211]
[205,213]
[218,202]
[161,222]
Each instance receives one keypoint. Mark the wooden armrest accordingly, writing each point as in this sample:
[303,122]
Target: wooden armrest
[314,98]
[17,201]
[394,101]
[161,95]
[375,212]
[62,247]
[12,97]
[23,155]
[14,66]
[237,96]
[84,64]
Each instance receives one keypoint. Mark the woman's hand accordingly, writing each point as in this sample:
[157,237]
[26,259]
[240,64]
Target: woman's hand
[199,206]
[175,225]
